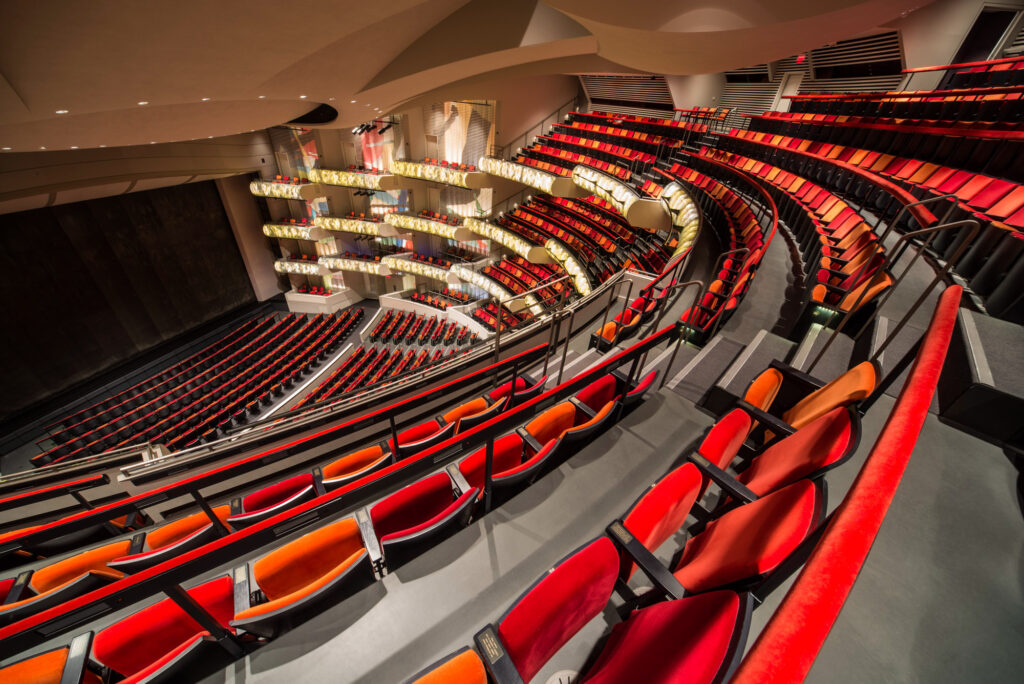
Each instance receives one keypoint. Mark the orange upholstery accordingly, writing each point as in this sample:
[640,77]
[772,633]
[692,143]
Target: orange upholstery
[872,287]
[470,408]
[353,463]
[463,668]
[45,668]
[301,567]
[853,385]
[763,389]
[608,331]
[166,535]
[94,560]
[553,423]
[601,415]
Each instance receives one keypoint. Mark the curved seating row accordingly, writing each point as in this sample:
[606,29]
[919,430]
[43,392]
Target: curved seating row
[999,103]
[163,642]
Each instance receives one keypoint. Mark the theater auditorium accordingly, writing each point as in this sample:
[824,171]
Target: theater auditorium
[511,342]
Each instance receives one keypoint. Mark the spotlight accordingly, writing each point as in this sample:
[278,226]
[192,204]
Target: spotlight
[381,130]
[355,131]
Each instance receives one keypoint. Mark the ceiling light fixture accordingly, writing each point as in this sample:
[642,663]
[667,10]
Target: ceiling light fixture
[102,145]
[74,147]
[152,142]
[6,149]
[205,99]
[43,147]
[143,103]
[62,111]
[302,97]
[353,101]
[381,130]
[209,137]
[263,97]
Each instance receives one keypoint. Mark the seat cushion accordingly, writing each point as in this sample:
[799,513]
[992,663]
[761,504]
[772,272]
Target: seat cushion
[276,493]
[353,463]
[598,393]
[553,423]
[555,608]
[462,668]
[508,454]
[136,642]
[45,668]
[671,642]
[725,438]
[179,529]
[817,445]
[470,408]
[750,540]
[853,385]
[762,391]
[94,560]
[409,507]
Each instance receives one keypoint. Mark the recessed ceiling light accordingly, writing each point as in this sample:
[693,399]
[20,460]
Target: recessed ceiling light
[205,99]
[42,147]
[74,147]
[302,97]
[263,97]
[143,102]
[353,101]
[62,111]
[6,148]
[102,145]
[210,137]
[152,142]
[330,99]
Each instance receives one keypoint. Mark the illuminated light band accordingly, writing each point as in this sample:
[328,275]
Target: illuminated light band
[638,211]
[440,174]
[358,179]
[533,253]
[358,265]
[488,285]
[305,191]
[556,186]
[417,268]
[425,225]
[288,230]
[571,265]
[685,214]
[309,268]
[353,225]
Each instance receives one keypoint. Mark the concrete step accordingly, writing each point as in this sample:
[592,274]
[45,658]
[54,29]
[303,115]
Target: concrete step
[698,370]
[747,364]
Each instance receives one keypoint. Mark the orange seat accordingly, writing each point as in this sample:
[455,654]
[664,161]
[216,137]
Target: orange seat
[175,531]
[305,571]
[354,464]
[464,667]
[852,386]
[470,408]
[49,668]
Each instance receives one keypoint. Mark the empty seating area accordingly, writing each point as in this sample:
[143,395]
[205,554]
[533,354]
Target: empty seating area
[519,276]
[431,260]
[447,164]
[438,216]
[318,290]
[488,315]
[233,381]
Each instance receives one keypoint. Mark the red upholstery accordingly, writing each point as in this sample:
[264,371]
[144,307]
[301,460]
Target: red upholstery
[508,454]
[725,438]
[5,588]
[550,613]
[276,493]
[750,540]
[415,433]
[410,508]
[817,445]
[662,511]
[598,393]
[672,642]
[139,640]
[503,389]
[788,645]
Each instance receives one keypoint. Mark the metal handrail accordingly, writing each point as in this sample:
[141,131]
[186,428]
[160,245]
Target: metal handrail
[502,301]
[679,335]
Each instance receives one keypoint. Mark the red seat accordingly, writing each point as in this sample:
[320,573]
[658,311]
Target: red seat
[661,512]
[162,641]
[273,499]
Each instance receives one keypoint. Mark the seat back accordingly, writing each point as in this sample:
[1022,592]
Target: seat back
[508,454]
[723,441]
[763,389]
[353,463]
[411,505]
[166,535]
[661,511]
[557,606]
[553,423]
[852,386]
[94,560]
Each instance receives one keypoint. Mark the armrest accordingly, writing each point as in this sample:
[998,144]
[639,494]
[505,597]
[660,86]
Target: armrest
[458,479]
[242,598]
[809,382]
[833,288]
[529,440]
[777,425]
[645,560]
[369,538]
[18,588]
[721,478]
[137,543]
[236,506]
[318,481]
[589,412]
[496,659]
[77,658]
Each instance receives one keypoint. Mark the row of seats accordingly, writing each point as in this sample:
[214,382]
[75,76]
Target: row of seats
[446,164]
[648,142]
[744,541]
[992,262]
[1007,71]
[974,104]
[842,257]
[994,151]
[457,254]
[430,300]
[252,374]
[518,278]
[554,159]
[81,421]
[488,315]
[438,216]
[677,130]
[432,260]
[318,290]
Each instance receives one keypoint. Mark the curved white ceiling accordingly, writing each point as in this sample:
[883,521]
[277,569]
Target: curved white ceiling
[254,61]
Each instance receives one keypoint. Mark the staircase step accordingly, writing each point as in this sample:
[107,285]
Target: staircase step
[748,364]
[695,371]
[837,359]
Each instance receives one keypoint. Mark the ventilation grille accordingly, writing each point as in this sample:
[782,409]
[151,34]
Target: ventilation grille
[881,47]
[1016,46]
[747,98]
[852,85]
[629,94]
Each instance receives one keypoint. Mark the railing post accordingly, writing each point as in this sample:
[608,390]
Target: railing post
[196,611]
[218,524]
[489,471]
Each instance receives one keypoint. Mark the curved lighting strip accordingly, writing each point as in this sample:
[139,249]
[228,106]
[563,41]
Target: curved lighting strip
[429,172]
[501,236]
[348,179]
[572,266]
[685,214]
[488,285]
[309,268]
[520,173]
[416,267]
[620,195]
[423,225]
[287,230]
[347,225]
[276,190]
[371,267]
